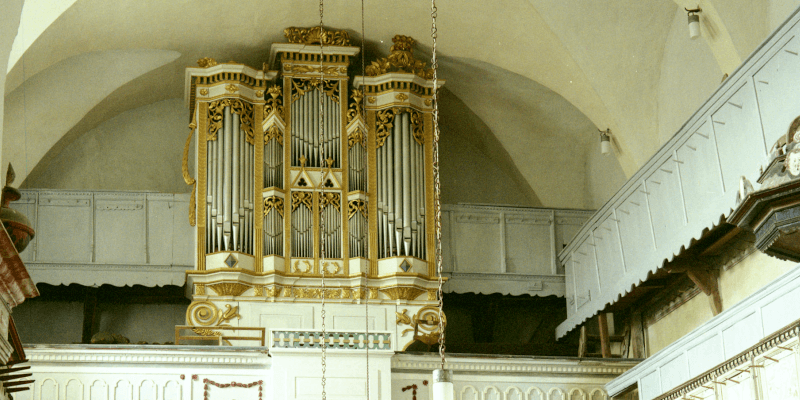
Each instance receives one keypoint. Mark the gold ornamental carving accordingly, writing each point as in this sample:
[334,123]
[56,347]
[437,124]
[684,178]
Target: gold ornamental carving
[206,62]
[258,291]
[372,99]
[424,324]
[273,203]
[311,69]
[356,136]
[273,132]
[432,294]
[203,92]
[385,122]
[373,293]
[259,93]
[357,205]
[401,59]
[355,110]
[228,288]
[403,293]
[231,88]
[317,35]
[296,267]
[302,198]
[187,178]
[274,102]
[272,291]
[216,110]
[327,266]
[200,289]
[428,102]
[329,198]
[301,86]
[401,96]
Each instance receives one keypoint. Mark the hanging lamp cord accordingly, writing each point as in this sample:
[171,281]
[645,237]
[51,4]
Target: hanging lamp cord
[437,206]
[321,201]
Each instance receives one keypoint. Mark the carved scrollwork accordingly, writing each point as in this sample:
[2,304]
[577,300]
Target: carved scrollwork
[355,110]
[401,59]
[273,203]
[329,198]
[301,86]
[385,122]
[424,324]
[357,205]
[275,102]
[356,136]
[216,110]
[317,35]
[206,62]
[301,198]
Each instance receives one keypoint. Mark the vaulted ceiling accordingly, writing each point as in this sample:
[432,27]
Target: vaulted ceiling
[529,81]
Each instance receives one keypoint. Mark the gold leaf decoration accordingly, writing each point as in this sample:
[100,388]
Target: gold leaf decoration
[401,96]
[301,198]
[203,92]
[385,122]
[357,205]
[329,198]
[273,203]
[275,102]
[354,109]
[403,292]
[206,62]
[356,136]
[231,88]
[216,110]
[401,59]
[301,86]
[317,35]
[202,313]
[228,288]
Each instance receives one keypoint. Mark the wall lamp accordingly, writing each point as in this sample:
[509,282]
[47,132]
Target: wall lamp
[694,22]
[605,141]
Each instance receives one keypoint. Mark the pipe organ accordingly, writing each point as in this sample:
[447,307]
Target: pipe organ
[313,167]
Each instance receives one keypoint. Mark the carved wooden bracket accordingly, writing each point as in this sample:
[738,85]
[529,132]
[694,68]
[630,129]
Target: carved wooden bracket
[704,276]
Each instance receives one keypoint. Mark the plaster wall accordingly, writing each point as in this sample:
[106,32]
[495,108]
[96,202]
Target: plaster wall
[735,284]
[689,75]
[9,22]
[777,11]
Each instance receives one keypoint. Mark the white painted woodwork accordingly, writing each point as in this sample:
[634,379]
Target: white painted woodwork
[178,373]
[99,237]
[508,250]
[723,337]
[689,183]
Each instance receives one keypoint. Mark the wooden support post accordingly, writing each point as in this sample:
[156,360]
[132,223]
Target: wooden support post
[89,313]
[605,347]
[582,343]
[637,336]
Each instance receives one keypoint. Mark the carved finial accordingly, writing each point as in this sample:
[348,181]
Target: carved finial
[206,62]
[10,175]
[401,59]
[330,162]
[303,160]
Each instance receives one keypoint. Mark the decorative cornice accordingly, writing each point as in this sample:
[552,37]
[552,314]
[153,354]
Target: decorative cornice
[512,365]
[136,354]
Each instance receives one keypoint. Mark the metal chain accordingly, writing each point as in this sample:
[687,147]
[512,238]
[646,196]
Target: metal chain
[321,92]
[364,108]
[437,206]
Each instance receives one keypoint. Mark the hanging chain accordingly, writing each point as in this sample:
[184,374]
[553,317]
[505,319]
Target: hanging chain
[364,108]
[321,118]
[437,206]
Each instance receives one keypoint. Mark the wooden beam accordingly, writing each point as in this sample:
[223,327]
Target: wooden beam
[605,347]
[89,314]
[582,343]
[707,282]
[637,336]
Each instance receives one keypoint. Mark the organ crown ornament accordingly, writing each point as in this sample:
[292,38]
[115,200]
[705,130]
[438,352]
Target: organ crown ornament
[273,186]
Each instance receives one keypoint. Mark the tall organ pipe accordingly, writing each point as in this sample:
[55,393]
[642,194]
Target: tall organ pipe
[407,188]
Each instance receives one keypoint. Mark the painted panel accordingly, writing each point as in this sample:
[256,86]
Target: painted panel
[674,372]
[739,387]
[147,390]
[478,241]
[159,232]
[776,86]
[634,228]
[98,391]
[123,390]
[666,203]
[699,172]
[183,250]
[774,315]
[572,303]
[528,248]
[172,391]
[609,253]
[73,390]
[779,379]
[737,128]
[64,229]
[741,335]
[705,355]
[120,230]
[650,386]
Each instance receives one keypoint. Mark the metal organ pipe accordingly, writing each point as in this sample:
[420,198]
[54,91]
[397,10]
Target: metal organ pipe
[407,188]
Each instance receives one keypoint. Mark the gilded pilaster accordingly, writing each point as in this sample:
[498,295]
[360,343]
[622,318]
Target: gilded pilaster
[345,163]
[202,133]
[430,216]
[372,184]
[258,188]
[287,172]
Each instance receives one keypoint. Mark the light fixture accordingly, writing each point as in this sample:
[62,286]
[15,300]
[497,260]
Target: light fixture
[443,385]
[605,141]
[694,22]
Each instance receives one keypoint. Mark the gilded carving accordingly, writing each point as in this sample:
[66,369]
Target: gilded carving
[327,264]
[272,291]
[206,62]
[428,102]
[202,313]
[356,136]
[424,324]
[372,99]
[354,110]
[200,289]
[357,205]
[231,88]
[401,59]
[259,93]
[286,292]
[188,178]
[216,110]
[206,332]
[402,318]
[301,198]
[229,314]
[317,35]
[301,86]
[203,92]
[401,96]
[403,292]
[385,122]
[330,198]
[273,132]
[432,294]
[258,291]
[325,70]
[228,288]
[373,293]
[275,102]
[296,267]
[273,203]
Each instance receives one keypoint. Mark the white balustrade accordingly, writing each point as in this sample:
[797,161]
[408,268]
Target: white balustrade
[689,184]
